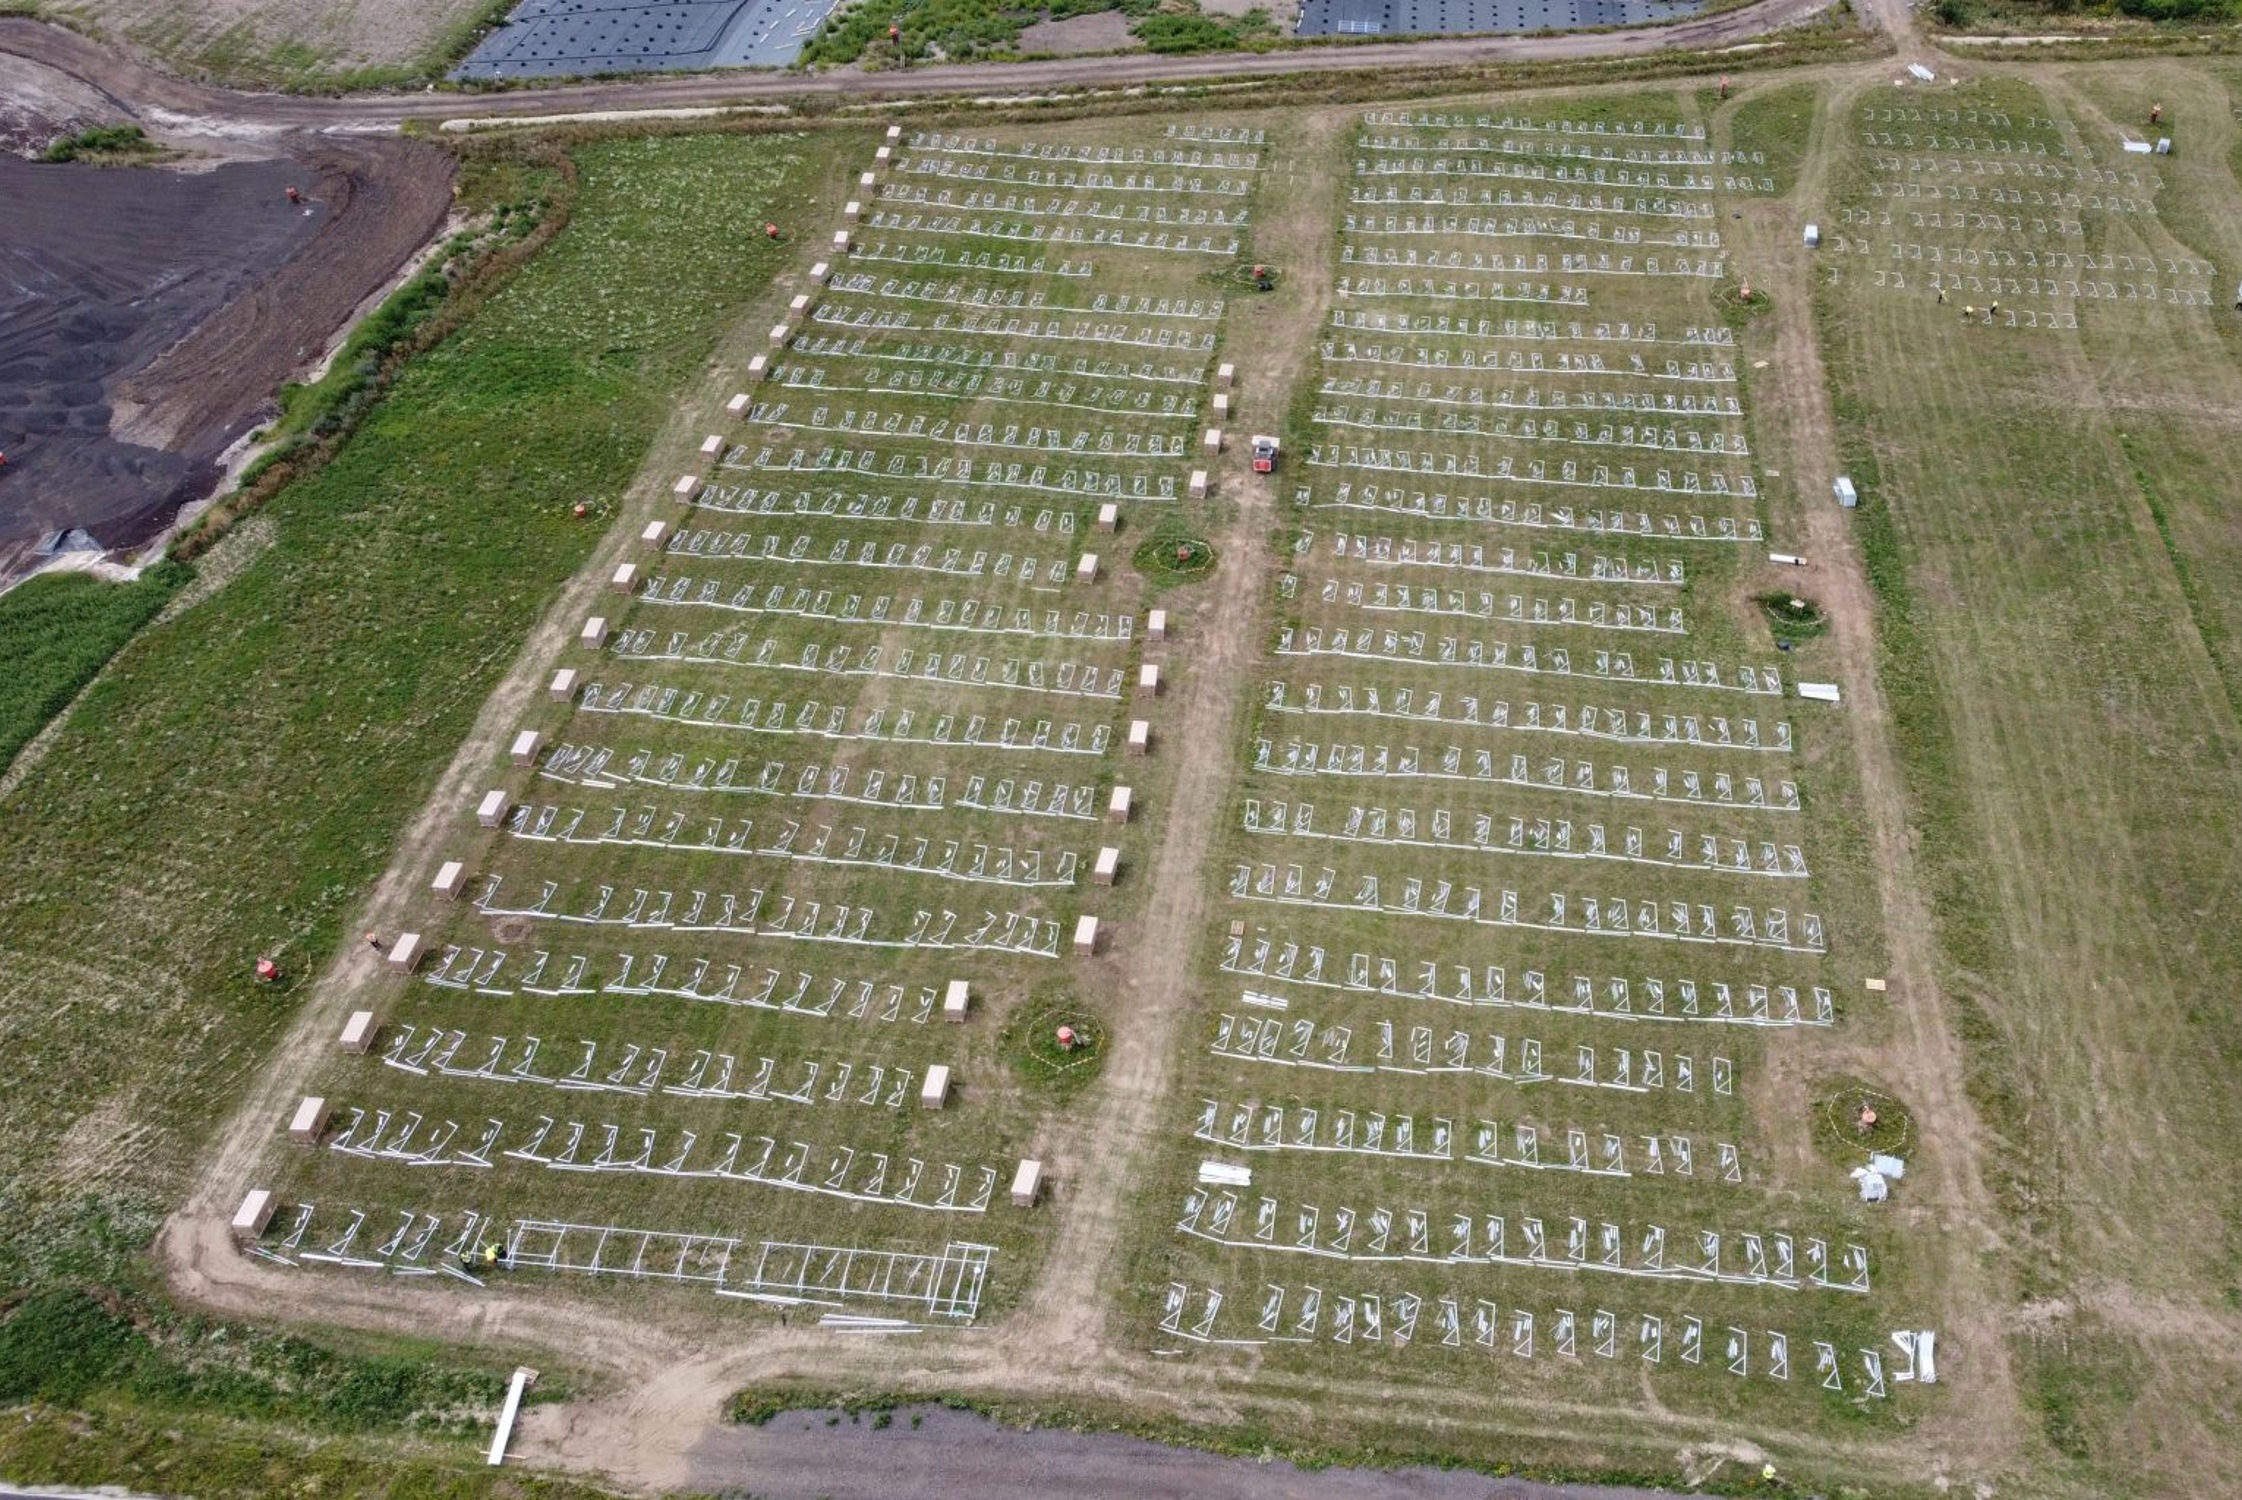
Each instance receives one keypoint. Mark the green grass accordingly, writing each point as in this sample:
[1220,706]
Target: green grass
[1379,1077]
[295,719]
[187,1453]
[67,1346]
[1838,1104]
[1770,132]
[1792,618]
[2051,572]
[2024,17]
[960,30]
[1033,1051]
[1190,31]
[57,630]
[829,578]
[1172,555]
[103,143]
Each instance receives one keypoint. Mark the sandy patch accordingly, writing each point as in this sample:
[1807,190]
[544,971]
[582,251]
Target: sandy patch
[1107,31]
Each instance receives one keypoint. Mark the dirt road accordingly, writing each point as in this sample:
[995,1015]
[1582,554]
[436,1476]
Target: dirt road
[144,93]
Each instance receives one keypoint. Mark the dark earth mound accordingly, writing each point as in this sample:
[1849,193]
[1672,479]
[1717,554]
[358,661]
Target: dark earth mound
[148,315]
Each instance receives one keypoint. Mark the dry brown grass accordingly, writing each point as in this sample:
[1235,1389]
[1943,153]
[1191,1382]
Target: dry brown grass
[287,43]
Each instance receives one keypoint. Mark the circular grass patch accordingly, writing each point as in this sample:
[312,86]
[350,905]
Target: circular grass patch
[1839,1104]
[1734,310]
[1175,557]
[1240,274]
[1793,617]
[1030,1044]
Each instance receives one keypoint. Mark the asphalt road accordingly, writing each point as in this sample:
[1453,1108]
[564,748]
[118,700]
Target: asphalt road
[137,88]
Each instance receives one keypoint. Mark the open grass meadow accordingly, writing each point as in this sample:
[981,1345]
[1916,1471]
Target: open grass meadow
[232,784]
[2048,521]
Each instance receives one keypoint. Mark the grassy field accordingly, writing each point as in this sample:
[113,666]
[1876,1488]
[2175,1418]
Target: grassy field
[1439,968]
[2049,542]
[298,44]
[295,717]
[57,631]
[1480,776]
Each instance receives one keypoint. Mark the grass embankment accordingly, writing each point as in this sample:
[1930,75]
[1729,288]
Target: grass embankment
[55,633]
[235,780]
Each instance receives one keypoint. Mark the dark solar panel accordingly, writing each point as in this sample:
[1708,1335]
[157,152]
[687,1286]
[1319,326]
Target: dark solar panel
[1456,17]
[544,38]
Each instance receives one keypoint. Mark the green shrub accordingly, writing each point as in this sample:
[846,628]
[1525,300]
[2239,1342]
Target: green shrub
[101,141]
[59,1344]
[1189,31]
[2178,10]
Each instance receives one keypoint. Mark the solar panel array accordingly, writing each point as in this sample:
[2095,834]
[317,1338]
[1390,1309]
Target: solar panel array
[1430,17]
[548,38]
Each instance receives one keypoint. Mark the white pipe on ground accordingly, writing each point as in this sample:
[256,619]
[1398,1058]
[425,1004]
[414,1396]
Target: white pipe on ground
[523,1375]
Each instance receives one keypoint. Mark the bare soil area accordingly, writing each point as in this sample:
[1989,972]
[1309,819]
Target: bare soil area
[1107,31]
[37,104]
[149,314]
